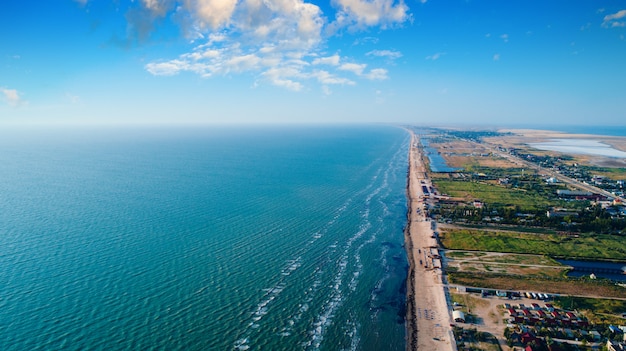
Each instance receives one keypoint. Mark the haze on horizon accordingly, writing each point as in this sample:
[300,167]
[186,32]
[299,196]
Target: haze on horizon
[293,61]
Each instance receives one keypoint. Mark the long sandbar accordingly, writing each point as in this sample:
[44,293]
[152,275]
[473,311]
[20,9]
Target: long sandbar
[428,319]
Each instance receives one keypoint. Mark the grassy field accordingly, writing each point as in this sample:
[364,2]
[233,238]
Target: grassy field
[492,194]
[606,306]
[508,228]
[587,246]
[597,310]
[526,270]
[470,163]
[611,173]
[562,286]
[477,261]
[504,258]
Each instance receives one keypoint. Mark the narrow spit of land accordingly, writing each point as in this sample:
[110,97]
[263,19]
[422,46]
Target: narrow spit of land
[428,319]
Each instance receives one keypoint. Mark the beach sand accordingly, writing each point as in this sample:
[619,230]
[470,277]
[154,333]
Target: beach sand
[428,317]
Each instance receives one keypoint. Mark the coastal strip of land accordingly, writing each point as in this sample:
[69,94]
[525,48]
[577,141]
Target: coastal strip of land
[428,319]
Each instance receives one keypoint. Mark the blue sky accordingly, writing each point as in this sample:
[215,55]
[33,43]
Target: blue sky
[341,61]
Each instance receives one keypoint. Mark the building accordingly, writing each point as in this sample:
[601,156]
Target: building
[595,335]
[572,193]
[615,346]
[560,212]
[458,316]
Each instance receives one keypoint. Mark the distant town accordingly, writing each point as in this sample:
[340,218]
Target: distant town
[531,242]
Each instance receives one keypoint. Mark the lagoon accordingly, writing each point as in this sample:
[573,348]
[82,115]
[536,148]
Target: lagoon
[436,162]
[607,270]
[580,146]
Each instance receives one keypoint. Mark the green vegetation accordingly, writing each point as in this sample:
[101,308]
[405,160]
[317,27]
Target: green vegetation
[494,194]
[522,259]
[475,135]
[496,172]
[612,173]
[473,340]
[583,246]
[463,254]
[606,306]
[514,228]
[553,285]
[505,263]
[599,311]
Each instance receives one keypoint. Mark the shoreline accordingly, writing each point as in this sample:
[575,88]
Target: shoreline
[427,313]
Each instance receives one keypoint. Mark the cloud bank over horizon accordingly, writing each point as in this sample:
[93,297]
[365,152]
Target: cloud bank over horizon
[303,60]
[281,41]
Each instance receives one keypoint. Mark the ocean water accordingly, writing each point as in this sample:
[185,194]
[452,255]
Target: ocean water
[616,130]
[596,130]
[206,238]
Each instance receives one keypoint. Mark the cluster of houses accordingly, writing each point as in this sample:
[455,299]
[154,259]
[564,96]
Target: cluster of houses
[531,324]
[574,171]
[547,315]
[580,195]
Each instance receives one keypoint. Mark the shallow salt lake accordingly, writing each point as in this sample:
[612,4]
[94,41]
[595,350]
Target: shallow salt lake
[580,146]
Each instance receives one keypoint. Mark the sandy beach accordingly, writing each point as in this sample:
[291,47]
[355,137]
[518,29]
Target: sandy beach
[428,317]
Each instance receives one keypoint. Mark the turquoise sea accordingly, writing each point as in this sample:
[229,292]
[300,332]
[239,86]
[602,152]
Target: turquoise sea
[202,238]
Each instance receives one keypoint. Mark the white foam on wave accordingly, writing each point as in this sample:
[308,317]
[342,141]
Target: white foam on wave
[336,298]
[325,319]
[355,337]
[292,265]
[303,307]
[242,344]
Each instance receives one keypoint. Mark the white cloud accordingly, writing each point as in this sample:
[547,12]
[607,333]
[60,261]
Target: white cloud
[243,62]
[377,74]
[505,37]
[435,56]
[284,77]
[359,70]
[11,96]
[327,78]
[212,13]
[169,68]
[496,57]
[82,2]
[363,13]
[365,40]
[612,19]
[355,68]
[617,15]
[280,40]
[385,53]
[157,7]
[330,60]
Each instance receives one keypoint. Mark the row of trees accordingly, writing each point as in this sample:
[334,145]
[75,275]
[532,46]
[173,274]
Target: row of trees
[591,219]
